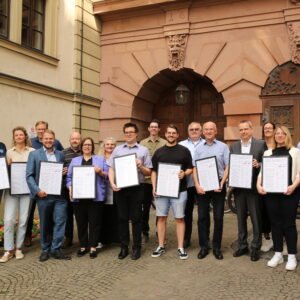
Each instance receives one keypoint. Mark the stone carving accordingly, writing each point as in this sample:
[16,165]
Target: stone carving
[294,39]
[284,79]
[283,115]
[176,51]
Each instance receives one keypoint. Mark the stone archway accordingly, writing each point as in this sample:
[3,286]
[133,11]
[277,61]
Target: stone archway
[205,103]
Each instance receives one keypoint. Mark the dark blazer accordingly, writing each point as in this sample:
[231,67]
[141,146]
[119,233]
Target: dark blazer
[257,150]
[33,168]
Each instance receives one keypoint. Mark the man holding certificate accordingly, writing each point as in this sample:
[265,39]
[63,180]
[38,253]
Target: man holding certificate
[44,178]
[247,199]
[172,163]
[129,163]
[211,160]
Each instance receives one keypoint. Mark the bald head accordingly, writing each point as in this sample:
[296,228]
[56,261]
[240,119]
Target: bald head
[75,140]
[209,131]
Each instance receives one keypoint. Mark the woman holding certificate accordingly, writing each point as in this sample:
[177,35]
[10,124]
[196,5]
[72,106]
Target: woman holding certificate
[282,206]
[17,200]
[86,180]
[109,229]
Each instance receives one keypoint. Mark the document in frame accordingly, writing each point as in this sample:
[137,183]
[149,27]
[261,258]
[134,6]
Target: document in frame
[83,182]
[168,182]
[275,172]
[4,178]
[240,171]
[126,173]
[50,178]
[18,179]
[208,175]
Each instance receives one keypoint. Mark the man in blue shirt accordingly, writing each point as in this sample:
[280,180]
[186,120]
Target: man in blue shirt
[211,147]
[192,143]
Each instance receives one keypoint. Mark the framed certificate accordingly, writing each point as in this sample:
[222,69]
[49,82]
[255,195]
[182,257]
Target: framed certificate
[50,177]
[126,172]
[18,179]
[4,178]
[168,182]
[240,171]
[83,182]
[208,174]
[275,174]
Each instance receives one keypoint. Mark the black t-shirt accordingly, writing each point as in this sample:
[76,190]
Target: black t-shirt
[175,155]
[2,149]
[282,151]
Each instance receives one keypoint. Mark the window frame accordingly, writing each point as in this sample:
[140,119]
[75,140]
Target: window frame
[7,20]
[30,28]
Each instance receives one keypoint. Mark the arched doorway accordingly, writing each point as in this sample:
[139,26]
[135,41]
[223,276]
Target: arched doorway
[281,98]
[204,104]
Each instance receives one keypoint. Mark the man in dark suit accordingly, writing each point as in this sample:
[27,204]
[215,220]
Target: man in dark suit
[52,209]
[247,200]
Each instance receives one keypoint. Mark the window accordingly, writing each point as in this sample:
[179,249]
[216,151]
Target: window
[33,19]
[4,9]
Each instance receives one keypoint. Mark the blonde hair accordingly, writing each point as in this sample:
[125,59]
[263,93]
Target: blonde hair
[288,137]
[101,150]
[27,140]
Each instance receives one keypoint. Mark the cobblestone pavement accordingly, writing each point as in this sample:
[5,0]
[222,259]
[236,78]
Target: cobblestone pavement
[166,277]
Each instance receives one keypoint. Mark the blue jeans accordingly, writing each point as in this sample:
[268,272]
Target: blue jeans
[53,216]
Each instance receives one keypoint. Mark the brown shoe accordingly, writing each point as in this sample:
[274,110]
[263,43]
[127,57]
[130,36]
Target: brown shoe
[27,241]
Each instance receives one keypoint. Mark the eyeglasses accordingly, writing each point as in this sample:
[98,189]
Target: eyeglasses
[194,129]
[280,134]
[87,145]
[129,132]
[268,128]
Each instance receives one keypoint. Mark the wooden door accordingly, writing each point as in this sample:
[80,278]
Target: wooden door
[205,104]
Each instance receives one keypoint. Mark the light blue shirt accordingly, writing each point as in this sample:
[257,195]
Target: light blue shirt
[192,146]
[50,155]
[218,149]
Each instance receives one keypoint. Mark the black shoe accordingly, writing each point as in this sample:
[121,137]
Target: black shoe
[123,253]
[218,254]
[44,256]
[81,252]
[254,256]
[186,244]
[202,253]
[61,256]
[67,243]
[239,252]
[136,253]
[93,254]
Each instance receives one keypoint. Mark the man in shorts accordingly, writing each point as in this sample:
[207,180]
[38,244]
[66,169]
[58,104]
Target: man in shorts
[172,153]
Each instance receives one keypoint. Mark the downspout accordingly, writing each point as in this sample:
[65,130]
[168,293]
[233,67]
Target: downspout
[81,66]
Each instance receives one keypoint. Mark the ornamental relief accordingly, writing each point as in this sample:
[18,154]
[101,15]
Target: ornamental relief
[283,115]
[176,51]
[294,40]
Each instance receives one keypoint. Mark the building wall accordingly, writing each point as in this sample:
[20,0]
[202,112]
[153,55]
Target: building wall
[50,86]
[234,43]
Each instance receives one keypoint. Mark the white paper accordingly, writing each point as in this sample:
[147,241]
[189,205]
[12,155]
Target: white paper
[18,179]
[275,174]
[167,180]
[4,179]
[126,173]
[50,179]
[208,174]
[84,183]
[240,171]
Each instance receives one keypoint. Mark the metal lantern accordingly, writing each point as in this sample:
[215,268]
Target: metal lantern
[182,94]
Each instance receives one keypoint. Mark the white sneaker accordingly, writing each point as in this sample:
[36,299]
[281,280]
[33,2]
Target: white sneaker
[275,260]
[182,254]
[19,254]
[267,245]
[291,263]
[6,257]
[159,251]
[100,245]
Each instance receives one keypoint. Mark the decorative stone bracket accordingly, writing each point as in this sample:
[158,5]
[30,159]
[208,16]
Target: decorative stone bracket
[176,50]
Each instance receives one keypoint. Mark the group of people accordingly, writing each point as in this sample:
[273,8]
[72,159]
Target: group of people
[106,218]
